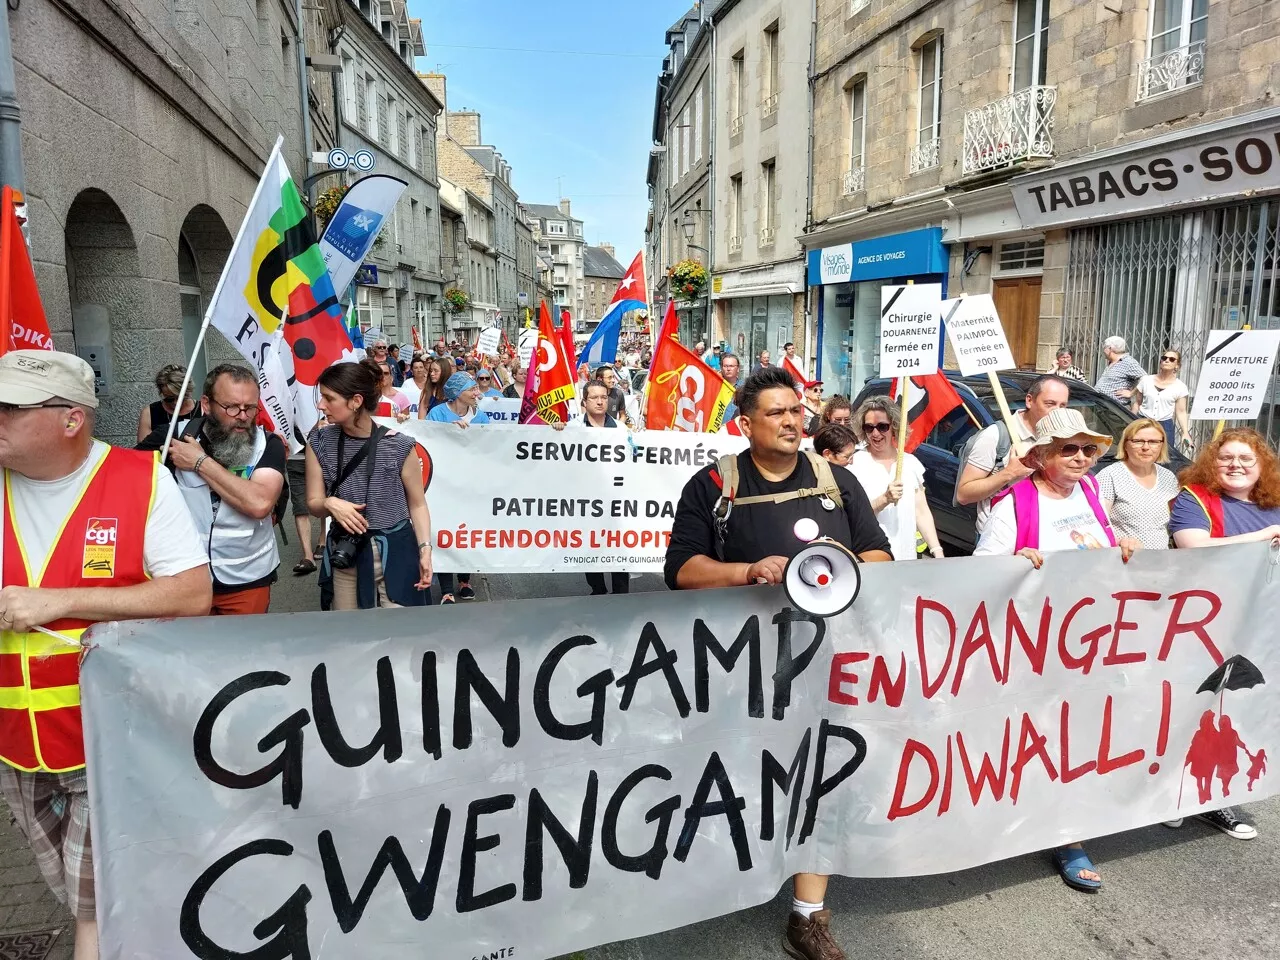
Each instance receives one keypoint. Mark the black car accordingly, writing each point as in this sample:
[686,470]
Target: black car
[940,452]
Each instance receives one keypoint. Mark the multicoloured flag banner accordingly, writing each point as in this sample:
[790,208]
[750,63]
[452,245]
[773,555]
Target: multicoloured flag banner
[684,393]
[276,287]
[549,386]
[20,304]
[631,294]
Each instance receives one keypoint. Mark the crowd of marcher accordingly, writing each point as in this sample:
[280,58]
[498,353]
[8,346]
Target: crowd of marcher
[210,544]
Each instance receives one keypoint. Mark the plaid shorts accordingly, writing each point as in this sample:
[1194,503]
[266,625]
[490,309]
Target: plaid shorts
[52,809]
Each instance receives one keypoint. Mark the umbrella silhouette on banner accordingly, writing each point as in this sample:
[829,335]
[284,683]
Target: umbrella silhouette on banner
[1236,673]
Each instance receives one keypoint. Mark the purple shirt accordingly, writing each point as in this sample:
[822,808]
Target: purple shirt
[1238,516]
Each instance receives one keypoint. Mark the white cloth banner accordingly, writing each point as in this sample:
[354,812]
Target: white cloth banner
[525,499]
[544,776]
[501,409]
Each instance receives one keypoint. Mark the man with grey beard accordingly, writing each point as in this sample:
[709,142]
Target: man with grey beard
[231,473]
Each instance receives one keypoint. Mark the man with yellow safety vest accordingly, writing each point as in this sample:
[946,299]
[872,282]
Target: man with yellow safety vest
[89,533]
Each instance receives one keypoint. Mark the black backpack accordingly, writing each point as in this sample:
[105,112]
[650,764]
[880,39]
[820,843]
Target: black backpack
[192,431]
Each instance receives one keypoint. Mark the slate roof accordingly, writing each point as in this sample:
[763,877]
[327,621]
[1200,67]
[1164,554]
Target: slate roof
[596,262]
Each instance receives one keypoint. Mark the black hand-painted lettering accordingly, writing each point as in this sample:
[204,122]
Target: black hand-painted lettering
[387,738]
[650,862]
[287,927]
[503,707]
[419,892]
[575,851]
[430,706]
[822,786]
[593,687]
[729,806]
[472,846]
[705,642]
[664,660]
[790,781]
[288,763]
[788,667]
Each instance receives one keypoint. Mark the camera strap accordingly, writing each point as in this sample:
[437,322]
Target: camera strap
[369,450]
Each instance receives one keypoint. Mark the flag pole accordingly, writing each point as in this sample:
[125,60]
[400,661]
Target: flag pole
[902,429]
[213,301]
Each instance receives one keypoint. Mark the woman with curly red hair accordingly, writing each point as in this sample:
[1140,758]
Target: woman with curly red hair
[1231,494]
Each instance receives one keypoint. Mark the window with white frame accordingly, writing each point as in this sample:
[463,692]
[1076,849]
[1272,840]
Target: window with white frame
[369,307]
[371,108]
[737,81]
[393,125]
[929,120]
[768,194]
[673,153]
[772,64]
[686,141]
[735,213]
[1030,43]
[857,124]
[1177,23]
[412,148]
[556,228]
[349,81]
[697,126]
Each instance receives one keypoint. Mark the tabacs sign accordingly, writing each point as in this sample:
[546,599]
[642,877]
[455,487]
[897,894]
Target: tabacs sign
[1215,162]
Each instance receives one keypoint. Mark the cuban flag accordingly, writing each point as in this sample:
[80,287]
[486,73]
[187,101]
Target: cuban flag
[631,295]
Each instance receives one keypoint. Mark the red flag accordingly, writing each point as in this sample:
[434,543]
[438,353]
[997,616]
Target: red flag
[670,326]
[550,382]
[566,339]
[684,393]
[417,340]
[20,305]
[793,367]
[931,398]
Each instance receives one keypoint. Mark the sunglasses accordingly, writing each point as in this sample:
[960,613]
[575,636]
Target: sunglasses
[876,428]
[1170,359]
[1071,449]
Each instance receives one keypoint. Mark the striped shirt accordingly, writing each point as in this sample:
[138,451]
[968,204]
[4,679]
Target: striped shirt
[387,504]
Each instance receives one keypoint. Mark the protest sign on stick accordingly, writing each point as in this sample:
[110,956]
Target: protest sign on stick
[1235,375]
[979,343]
[479,786]
[909,329]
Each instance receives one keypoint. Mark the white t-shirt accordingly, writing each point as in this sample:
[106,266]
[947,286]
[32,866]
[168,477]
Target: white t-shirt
[1157,403]
[983,456]
[170,546]
[897,520]
[1068,524]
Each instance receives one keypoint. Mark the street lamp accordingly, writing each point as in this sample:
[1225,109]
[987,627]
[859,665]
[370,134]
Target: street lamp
[689,229]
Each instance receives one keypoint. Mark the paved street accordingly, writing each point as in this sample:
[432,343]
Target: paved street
[1171,894]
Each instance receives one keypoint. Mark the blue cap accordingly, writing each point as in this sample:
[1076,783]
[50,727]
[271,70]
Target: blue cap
[456,385]
[459,362]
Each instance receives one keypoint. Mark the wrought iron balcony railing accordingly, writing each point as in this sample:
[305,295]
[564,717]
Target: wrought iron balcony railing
[853,181]
[923,156]
[1013,128]
[1174,70]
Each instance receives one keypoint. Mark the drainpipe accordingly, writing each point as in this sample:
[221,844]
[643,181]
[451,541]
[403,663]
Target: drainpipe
[304,99]
[10,114]
[711,185]
[808,205]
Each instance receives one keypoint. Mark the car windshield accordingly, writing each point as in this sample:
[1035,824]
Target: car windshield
[1100,414]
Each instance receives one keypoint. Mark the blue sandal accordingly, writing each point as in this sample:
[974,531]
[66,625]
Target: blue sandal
[1071,862]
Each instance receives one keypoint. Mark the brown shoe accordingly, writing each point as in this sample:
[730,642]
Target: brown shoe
[811,939]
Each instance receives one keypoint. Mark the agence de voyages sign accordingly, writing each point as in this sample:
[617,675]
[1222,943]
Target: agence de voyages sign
[1207,163]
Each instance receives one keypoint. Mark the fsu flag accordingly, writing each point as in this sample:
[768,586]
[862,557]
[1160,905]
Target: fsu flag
[549,386]
[684,393]
[20,305]
[931,398]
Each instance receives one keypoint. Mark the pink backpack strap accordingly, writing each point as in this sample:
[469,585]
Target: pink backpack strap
[1089,484]
[1026,512]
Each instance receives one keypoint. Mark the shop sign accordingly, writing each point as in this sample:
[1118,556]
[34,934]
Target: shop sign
[911,254]
[1202,167]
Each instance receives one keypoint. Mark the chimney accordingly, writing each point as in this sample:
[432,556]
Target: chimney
[464,126]
[608,248]
[435,82]
[566,207]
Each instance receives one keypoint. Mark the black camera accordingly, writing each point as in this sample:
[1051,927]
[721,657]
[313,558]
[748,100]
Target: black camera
[345,547]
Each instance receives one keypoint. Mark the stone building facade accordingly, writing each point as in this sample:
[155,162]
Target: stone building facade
[387,111]
[559,236]
[601,274]
[985,144]
[143,139]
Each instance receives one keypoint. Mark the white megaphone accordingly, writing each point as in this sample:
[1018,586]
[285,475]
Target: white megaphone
[823,579]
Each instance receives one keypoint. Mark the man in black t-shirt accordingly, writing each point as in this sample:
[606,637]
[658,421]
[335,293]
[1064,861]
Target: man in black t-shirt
[231,474]
[758,539]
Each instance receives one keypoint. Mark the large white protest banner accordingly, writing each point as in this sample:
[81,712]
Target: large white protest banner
[523,499]
[1235,376]
[544,776]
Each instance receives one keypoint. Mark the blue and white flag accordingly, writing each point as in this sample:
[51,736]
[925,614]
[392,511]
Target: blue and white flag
[356,224]
[602,347]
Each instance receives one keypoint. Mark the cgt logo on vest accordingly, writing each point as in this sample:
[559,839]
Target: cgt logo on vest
[100,548]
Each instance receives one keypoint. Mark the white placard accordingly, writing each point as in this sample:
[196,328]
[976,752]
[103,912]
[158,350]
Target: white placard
[1235,375]
[909,329]
[528,343]
[976,334]
[489,342]
[501,410]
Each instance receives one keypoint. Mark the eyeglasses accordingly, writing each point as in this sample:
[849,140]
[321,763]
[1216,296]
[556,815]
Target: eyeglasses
[1071,449]
[169,401]
[239,409]
[876,428]
[1245,462]
[8,409]
[1170,359]
[842,458]
[1145,443]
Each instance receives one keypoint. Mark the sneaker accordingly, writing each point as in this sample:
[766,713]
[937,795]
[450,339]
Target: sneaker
[1231,823]
[465,592]
[447,598]
[1174,824]
[811,939]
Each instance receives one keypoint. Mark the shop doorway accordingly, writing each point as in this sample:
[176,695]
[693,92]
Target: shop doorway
[1018,303]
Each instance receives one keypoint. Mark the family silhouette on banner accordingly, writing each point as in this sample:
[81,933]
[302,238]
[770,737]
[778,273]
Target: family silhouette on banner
[1215,751]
